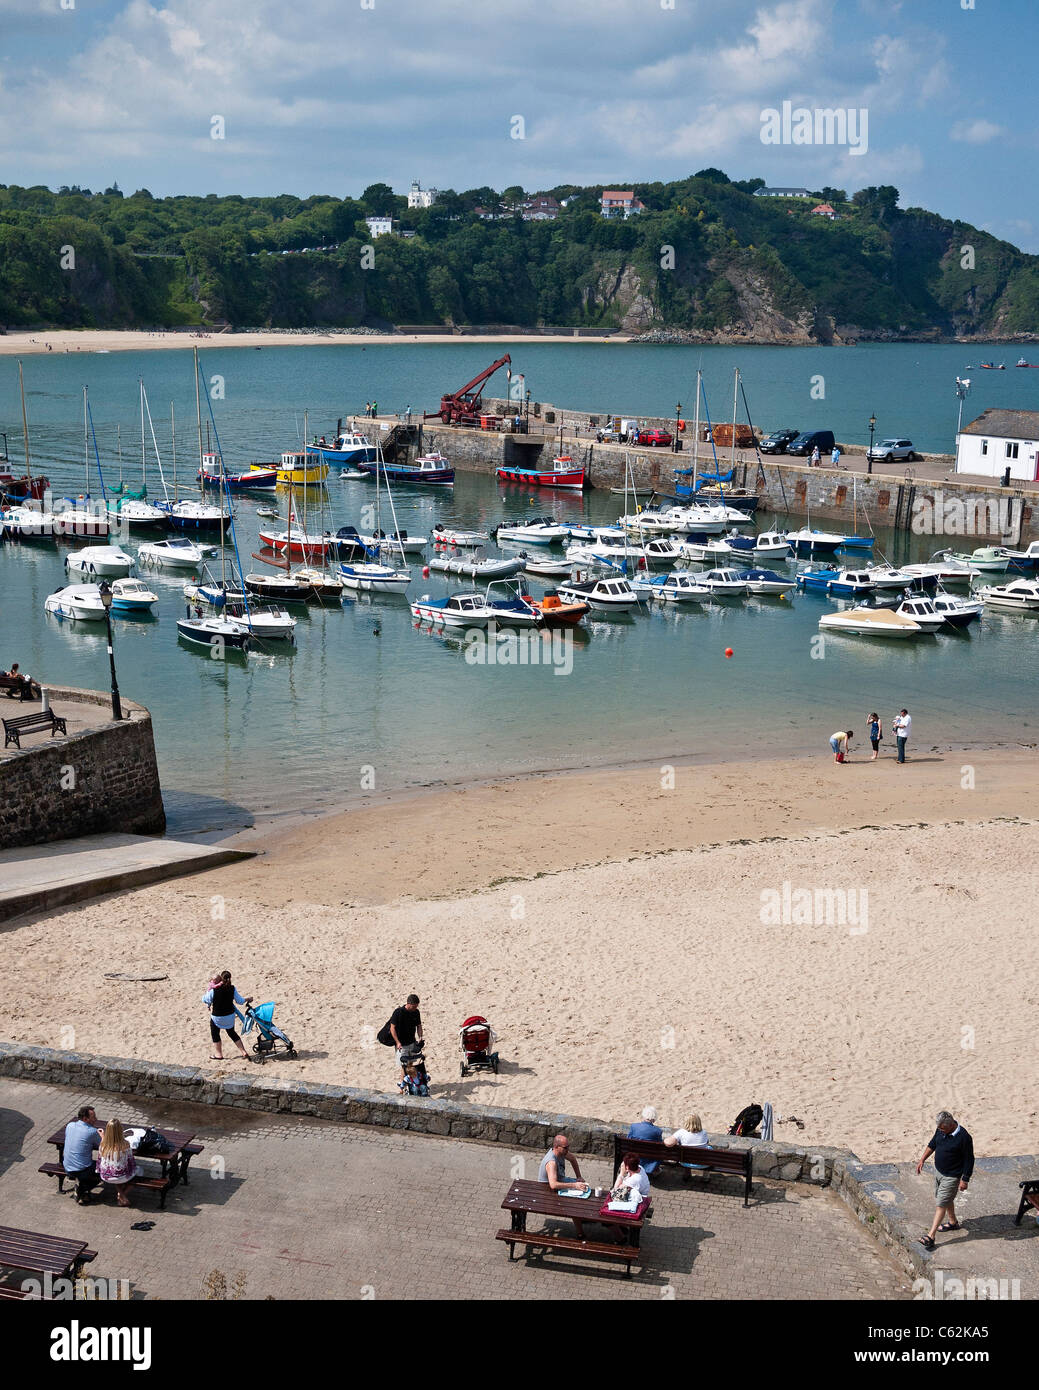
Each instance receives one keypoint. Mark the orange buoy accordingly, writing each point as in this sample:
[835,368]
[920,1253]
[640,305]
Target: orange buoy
[728,651]
[425,571]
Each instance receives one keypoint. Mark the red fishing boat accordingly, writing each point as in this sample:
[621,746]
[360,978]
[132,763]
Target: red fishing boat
[563,473]
[21,489]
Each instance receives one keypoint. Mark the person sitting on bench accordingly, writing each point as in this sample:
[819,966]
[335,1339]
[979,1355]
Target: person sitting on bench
[81,1138]
[648,1129]
[692,1135]
[115,1161]
[22,681]
[553,1167]
[630,1179]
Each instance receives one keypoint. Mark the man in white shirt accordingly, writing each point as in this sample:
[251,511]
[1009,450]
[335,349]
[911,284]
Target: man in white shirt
[902,725]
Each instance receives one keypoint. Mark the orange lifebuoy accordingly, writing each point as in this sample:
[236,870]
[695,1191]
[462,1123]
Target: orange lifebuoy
[681,427]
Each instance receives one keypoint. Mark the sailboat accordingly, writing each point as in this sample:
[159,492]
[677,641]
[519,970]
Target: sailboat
[26,487]
[323,583]
[82,517]
[189,513]
[130,506]
[371,575]
[24,520]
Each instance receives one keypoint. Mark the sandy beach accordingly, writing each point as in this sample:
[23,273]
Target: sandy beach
[845,942]
[22,343]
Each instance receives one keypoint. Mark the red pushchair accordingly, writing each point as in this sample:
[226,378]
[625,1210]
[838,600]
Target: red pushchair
[476,1037]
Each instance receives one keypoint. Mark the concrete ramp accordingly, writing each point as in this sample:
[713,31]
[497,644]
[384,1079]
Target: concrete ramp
[70,871]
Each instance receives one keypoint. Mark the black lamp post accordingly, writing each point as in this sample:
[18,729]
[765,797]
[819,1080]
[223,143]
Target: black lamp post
[869,457]
[105,590]
[678,417]
[528,411]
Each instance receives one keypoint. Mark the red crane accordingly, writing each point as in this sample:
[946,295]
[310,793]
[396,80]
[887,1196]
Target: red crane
[462,407]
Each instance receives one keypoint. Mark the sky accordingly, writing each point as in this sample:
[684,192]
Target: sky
[328,96]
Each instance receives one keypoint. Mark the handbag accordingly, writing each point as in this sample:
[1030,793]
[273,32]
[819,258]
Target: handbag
[152,1142]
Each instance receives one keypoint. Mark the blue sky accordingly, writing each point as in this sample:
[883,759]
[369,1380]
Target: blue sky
[327,96]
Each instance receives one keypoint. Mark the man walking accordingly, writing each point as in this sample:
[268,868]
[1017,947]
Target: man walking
[405,1029]
[953,1150]
[902,725]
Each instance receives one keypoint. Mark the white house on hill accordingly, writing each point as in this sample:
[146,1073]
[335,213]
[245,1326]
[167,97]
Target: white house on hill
[1000,439]
[419,197]
[379,226]
[620,203]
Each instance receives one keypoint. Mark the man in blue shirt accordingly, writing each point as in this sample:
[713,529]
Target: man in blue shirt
[953,1150]
[77,1157]
[647,1128]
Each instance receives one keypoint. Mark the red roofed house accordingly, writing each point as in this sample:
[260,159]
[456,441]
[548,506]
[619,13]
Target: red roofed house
[619,204]
[824,210]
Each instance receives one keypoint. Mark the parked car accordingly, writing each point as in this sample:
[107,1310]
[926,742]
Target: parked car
[659,437]
[778,441]
[812,439]
[891,449]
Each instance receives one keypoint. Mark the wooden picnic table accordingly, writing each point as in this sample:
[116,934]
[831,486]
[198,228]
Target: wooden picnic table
[524,1197]
[174,1164]
[42,1253]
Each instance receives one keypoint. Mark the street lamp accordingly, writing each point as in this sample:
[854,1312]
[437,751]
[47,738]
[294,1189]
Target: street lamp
[105,590]
[869,456]
[528,410]
[678,417]
[962,387]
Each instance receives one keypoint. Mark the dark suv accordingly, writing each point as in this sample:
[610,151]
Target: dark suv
[778,441]
[812,439]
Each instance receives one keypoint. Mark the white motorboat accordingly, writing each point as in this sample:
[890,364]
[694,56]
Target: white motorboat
[263,620]
[401,544]
[459,610]
[922,611]
[371,577]
[546,567]
[677,587]
[109,561]
[176,554]
[29,523]
[1019,596]
[725,583]
[81,601]
[944,570]
[1026,559]
[606,594]
[890,577]
[989,559]
[708,552]
[870,622]
[679,521]
[540,530]
[808,543]
[957,612]
[189,515]
[219,634]
[762,582]
[83,519]
[578,531]
[480,566]
[457,538]
[131,596]
[659,553]
[510,606]
[769,545]
[136,513]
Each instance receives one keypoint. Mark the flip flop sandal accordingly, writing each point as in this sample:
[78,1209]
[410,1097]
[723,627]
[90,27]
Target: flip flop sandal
[214,1058]
[142,1226]
[927,1242]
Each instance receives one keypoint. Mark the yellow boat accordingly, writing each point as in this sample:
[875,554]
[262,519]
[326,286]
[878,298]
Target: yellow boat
[296,468]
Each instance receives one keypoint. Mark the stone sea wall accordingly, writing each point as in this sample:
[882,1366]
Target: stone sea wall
[100,779]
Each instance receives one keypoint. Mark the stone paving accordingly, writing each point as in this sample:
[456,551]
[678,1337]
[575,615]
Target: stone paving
[304,1208]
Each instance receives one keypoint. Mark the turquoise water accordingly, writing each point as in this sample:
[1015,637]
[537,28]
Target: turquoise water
[318,724]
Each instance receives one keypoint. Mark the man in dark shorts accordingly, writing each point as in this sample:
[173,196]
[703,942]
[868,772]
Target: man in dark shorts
[406,1030]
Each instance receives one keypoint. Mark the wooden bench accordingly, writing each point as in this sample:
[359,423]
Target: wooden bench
[159,1185]
[1029,1198]
[600,1249]
[16,689]
[31,724]
[736,1161]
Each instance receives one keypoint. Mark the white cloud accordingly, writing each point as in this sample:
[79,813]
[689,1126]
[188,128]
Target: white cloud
[977,132]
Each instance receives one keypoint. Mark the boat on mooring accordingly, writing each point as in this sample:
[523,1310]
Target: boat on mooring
[564,473]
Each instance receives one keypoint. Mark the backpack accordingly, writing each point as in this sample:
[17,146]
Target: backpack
[747,1120]
[385,1036]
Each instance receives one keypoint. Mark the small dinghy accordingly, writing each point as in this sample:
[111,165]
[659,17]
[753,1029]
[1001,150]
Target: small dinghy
[456,537]
[546,568]
[556,612]
[478,567]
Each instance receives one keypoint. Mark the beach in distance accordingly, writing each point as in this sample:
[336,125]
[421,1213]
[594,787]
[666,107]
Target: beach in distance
[22,343]
[843,941]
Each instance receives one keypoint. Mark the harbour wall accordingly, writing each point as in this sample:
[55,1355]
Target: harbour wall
[957,514]
[102,778]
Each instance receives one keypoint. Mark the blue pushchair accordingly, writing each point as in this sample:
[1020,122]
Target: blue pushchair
[270,1034]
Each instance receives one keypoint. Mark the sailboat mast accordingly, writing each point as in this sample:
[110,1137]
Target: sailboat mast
[143,482]
[198,417]
[735,397]
[25,424]
[173,432]
[696,431]
[86,447]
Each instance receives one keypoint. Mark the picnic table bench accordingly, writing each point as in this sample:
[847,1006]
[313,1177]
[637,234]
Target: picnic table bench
[173,1165]
[32,724]
[42,1253]
[736,1161]
[524,1197]
[1029,1198]
[17,689]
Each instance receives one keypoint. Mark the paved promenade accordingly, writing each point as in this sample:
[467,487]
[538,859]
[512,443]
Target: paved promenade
[301,1208]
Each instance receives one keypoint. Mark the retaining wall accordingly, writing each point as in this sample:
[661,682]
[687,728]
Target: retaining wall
[869,1190]
[101,779]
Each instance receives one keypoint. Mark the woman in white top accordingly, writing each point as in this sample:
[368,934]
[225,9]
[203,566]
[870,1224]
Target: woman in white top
[693,1135]
[630,1178]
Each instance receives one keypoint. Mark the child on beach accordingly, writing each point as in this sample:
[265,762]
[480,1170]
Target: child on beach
[415,1082]
[839,743]
[876,733]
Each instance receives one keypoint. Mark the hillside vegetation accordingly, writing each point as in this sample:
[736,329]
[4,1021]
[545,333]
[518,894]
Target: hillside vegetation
[706,259]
